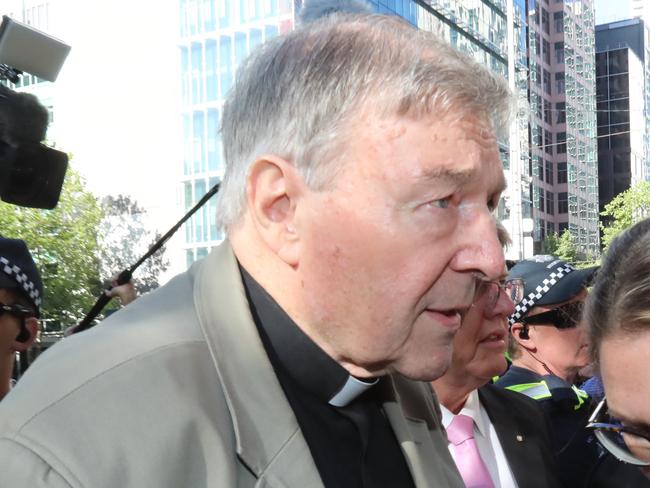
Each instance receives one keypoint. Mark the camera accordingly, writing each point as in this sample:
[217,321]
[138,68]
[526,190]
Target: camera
[31,173]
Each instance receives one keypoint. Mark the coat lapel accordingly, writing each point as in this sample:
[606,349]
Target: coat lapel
[518,438]
[412,410]
[268,439]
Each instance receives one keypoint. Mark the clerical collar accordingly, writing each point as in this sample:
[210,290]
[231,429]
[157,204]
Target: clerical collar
[309,366]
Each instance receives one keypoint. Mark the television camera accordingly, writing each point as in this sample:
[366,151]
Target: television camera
[31,173]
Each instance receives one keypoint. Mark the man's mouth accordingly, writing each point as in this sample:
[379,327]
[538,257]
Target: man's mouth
[496,337]
[450,318]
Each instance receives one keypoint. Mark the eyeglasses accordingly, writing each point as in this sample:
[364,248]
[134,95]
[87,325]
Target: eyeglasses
[18,310]
[564,317]
[514,289]
[624,443]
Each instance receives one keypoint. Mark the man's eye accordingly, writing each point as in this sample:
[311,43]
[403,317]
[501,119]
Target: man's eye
[441,202]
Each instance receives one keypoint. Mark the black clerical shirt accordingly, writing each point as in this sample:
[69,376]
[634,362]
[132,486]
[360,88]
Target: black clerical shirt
[353,445]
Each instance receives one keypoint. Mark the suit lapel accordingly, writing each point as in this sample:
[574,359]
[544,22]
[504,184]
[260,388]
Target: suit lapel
[413,413]
[268,439]
[516,435]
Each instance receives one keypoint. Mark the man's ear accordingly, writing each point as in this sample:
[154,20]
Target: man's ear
[273,190]
[29,335]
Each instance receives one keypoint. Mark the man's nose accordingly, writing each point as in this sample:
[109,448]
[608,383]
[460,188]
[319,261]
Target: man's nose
[480,252]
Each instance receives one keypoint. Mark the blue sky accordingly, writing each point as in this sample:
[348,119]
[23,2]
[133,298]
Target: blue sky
[612,10]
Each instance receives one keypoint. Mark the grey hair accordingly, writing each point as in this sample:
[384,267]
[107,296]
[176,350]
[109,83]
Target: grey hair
[298,94]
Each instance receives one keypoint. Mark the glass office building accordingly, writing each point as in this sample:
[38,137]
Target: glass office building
[215,37]
[623,106]
[563,121]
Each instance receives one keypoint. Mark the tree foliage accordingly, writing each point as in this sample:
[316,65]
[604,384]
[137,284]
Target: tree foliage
[625,210]
[125,239]
[63,242]
[563,246]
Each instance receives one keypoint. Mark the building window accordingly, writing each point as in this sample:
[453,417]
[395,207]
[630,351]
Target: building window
[562,203]
[225,64]
[545,21]
[561,143]
[559,52]
[550,228]
[197,140]
[541,199]
[197,72]
[562,226]
[548,142]
[547,82]
[240,47]
[211,80]
[213,139]
[559,83]
[209,16]
[561,173]
[540,229]
[549,173]
[224,14]
[547,51]
[548,117]
[558,21]
[560,107]
[550,203]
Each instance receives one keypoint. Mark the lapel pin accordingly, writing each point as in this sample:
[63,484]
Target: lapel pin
[520,438]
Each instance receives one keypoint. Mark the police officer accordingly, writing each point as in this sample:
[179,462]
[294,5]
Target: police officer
[548,345]
[21,292]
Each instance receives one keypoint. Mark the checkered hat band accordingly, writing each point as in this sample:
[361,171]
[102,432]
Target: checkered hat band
[522,308]
[21,278]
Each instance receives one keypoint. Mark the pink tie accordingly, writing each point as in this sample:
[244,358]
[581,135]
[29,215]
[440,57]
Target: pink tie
[472,468]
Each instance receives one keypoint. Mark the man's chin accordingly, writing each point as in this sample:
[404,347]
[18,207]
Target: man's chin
[423,371]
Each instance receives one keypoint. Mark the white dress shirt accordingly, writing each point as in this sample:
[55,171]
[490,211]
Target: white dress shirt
[486,440]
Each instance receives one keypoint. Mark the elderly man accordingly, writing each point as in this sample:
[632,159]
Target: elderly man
[497,438]
[21,292]
[362,172]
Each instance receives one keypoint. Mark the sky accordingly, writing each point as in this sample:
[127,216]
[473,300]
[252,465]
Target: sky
[612,10]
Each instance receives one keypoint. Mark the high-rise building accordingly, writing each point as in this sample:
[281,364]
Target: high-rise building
[215,37]
[562,123]
[623,105]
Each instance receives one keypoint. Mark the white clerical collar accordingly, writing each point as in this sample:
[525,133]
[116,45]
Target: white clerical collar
[352,388]
[472,408]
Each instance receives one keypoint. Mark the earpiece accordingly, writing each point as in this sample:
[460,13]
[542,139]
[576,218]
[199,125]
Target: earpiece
[23,335]
[523,333]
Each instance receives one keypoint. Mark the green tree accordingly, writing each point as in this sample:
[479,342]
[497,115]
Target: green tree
[563,246]
[550,243]
[63,242]
[124,239]
[566,248]
[625,210]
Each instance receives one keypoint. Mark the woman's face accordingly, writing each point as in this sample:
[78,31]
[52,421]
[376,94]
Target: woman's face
[624,366]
